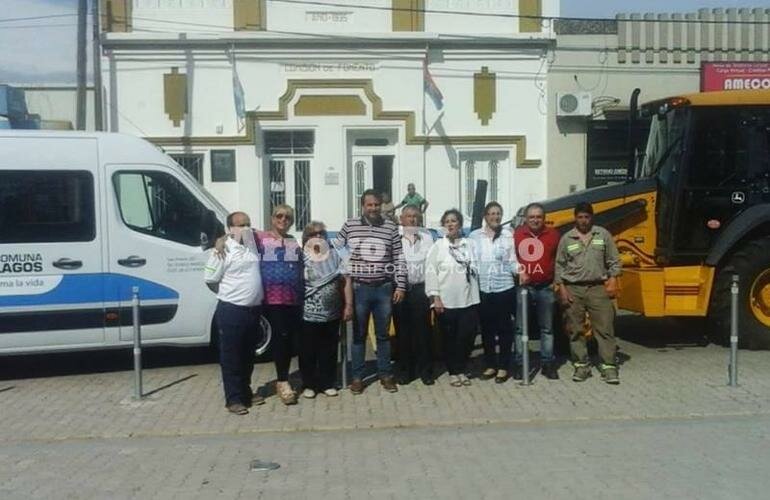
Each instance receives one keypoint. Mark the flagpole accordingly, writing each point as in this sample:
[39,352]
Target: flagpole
[424,132]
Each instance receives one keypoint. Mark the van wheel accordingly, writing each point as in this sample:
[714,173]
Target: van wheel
[752,265]
[264,335]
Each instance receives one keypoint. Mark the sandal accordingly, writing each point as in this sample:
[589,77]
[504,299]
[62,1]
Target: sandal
[455,381]
[502,376]
[286,393]
[464,380]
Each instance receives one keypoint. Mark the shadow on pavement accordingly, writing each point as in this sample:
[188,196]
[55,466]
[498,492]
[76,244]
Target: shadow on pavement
[101,361]
[661,333]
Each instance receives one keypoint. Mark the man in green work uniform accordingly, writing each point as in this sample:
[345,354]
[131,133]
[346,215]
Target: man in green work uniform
[413,198]
[587,267]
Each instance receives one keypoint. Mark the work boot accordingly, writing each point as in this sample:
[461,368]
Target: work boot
[610,374]
[582,372]
[550,372]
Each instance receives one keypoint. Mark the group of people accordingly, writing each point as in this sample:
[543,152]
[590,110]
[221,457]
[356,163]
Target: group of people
[375,270]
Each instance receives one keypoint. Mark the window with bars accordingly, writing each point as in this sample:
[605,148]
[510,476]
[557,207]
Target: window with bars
[360,184]
[473,171]
[493,173]
[470,185]
[301,193]
[193,163]
[283,142]
[277,176]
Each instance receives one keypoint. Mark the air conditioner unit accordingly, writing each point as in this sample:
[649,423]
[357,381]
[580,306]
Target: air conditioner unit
[573,104]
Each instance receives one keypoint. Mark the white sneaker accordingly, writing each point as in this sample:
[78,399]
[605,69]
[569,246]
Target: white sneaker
[308,393]
[331,392]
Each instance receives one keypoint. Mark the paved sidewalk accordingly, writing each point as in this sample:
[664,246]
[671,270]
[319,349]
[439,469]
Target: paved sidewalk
[712,458]
[668,382]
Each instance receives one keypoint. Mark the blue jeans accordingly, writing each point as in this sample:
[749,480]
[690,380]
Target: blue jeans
[541,300]
[374,300]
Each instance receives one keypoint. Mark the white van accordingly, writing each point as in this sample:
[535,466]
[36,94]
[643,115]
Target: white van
[84,217]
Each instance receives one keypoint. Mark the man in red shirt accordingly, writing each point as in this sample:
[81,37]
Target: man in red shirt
[536,246]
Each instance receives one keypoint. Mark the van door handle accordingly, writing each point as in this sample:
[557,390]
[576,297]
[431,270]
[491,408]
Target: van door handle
[65,263]
[132,261]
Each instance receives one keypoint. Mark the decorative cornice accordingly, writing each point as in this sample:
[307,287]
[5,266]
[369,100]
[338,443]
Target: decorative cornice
[378,114]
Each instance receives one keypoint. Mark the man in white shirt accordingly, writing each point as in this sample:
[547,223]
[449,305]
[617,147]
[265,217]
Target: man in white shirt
[412,315]
[237,282]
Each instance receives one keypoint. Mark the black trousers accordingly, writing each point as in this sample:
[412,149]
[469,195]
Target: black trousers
[497,327]
[458,327]
[237,340]
[286,322]
[411,318]
[318,354]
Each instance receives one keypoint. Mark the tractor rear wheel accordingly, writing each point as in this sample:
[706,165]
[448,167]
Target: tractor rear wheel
[751,263]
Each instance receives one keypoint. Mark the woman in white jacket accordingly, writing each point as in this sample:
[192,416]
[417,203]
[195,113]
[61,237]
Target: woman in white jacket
[451,282]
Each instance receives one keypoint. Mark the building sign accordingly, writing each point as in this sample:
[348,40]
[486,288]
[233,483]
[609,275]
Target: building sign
[328,16]
[734,76]
[330,67]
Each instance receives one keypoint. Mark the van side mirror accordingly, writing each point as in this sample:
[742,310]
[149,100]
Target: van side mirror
[211,229]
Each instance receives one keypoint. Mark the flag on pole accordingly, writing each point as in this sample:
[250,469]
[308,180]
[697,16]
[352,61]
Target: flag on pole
[429,86]
[238,97]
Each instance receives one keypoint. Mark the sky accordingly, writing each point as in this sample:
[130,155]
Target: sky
[43,51]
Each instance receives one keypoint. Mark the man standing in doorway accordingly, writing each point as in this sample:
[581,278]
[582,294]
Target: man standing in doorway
[536,246]
[411,316]
[376,265]
[413,198]
[587,267]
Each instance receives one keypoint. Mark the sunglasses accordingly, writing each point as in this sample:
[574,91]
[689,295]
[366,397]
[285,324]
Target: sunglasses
[245,224]
[281,215]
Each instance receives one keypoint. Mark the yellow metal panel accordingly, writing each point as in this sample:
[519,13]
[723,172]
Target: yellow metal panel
[636,236]
[408,15]
[175,95]
[249,15]
[116,15]
[641,290]
[687,290]
[484,95]
[530,8]
[330,105]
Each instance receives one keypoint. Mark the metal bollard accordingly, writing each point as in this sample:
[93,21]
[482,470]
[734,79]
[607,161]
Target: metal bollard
[733,368]
[524,318]
[343,350]
[138,394]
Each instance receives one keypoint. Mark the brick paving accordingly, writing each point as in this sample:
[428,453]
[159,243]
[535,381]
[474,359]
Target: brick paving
[661,380]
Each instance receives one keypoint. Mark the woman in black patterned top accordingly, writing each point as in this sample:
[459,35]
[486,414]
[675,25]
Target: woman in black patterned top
[328,299]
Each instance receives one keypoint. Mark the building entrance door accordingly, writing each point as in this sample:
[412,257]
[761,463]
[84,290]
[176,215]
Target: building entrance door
[370,171]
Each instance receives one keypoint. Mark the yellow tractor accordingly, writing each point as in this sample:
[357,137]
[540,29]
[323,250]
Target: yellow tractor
[694,211]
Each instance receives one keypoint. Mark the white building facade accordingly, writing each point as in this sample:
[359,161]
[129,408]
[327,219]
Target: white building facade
[333,98]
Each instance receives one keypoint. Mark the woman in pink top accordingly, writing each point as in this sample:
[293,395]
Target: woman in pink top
[281,269]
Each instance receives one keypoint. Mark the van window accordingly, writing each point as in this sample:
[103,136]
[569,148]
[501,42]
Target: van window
[46,206]
[157,204]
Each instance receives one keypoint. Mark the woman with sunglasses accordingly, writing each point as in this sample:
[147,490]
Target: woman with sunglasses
[328,298]
[451,282]
[281,268]
[493,250]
